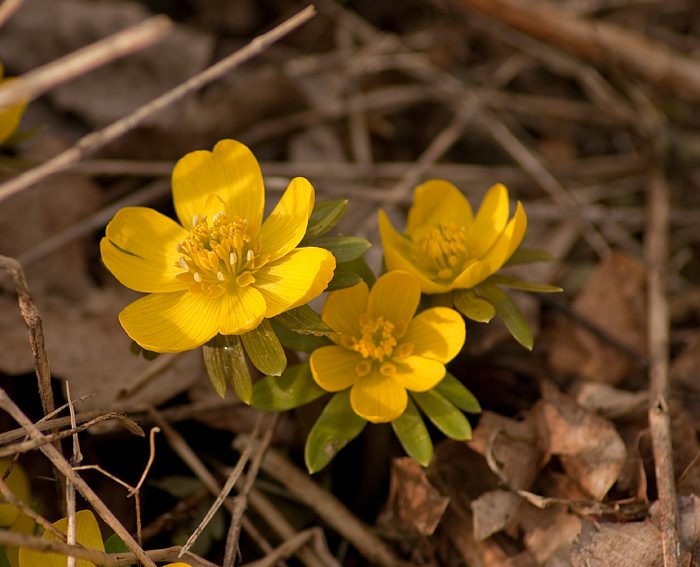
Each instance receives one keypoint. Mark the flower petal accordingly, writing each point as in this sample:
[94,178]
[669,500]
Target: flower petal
[294,279]
[140,250]
[437,201]
[474,274]
[490,220]
[334,367]
[231,172]
[418,374]
[508,241]
[343,309]
[436,333]
[10,117]
[395,296]
[397,251]
[241,310]
[172,322]
[286,225]
[378,398]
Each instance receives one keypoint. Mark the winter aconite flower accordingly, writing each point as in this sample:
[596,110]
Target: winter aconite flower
[223,270]
[10,116]
[445,246]
[381,350]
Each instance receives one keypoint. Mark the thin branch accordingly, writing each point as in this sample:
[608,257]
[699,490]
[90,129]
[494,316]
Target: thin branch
[59,462]
[42,79]
[656,248]
[8,8]
[100,138]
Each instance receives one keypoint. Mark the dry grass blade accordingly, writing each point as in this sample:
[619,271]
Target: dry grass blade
[93,142]
[38,81]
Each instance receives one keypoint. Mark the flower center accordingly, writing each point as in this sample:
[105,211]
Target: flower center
[444,248]
[377,340]
[218,253]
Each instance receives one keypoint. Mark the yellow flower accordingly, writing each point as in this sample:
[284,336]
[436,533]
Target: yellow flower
[381,350]
[87,534]
[224,269]
[19,485]
[446,247]
[11,116]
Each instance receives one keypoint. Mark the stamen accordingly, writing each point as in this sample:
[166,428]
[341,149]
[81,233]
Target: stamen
[232,258]
[220,276]
[363,368]
[250,255]
[197,277]
[183,263]
[195,220]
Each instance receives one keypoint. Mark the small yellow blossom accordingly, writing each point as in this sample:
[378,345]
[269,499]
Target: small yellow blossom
[11,116]
[381,350]
[224,269]
[446,247]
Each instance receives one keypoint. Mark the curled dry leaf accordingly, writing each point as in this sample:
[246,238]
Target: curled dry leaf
[613,299]
[414,506]
[494,511]
[590,449]
[607,401]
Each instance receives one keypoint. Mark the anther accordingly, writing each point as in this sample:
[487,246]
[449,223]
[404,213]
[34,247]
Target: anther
[197,277]
[220,276]
[232,258]
[250,255]
[183,263]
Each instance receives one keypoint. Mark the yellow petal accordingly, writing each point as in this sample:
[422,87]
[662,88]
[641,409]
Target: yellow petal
[18,483]
[23,525]
[286,225]
[294,279]
[334,367]
[87,534]
[490,220]
[436,333]
[437,201]
[140,250]
[241,310]
[378,398]
[397,254]
[477,272]
[418,374]
[10,117]
[508,241]
[395,296]
[172,322]
[231,172]
[343,309]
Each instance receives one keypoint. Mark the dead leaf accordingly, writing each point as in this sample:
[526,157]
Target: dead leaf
[86,345]
[613,299]
[513,444]
[607,401]
[590,449]
[550,532]
[414,505]
[632,544]
[494,511]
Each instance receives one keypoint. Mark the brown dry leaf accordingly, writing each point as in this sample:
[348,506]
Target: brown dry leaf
[613,299]
[689,524]
[86,346]
[30,218]
[549,533]
[632,544]
[494,511]
[109,92]
[607,401]
[513,444]
[684,373]
[686,451]
[590,449]
[414,505]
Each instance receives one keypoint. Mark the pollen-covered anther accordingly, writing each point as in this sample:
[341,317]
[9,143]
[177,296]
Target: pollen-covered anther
[363,368]
[211,254]
[445,249]
[378,340]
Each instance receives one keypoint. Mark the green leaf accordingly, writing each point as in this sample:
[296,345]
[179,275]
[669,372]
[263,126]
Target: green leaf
[294,388]
[528,255]
[337,425]
[457,393]
[360,267]
[344,248]
[225,361]
[342,279]
[115,544]
[304,320]
[137,350]
[413,434]
[522,285]
[296,341]
[445,416]
[509,312]
[324,217]
[264,349]
[472,306]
